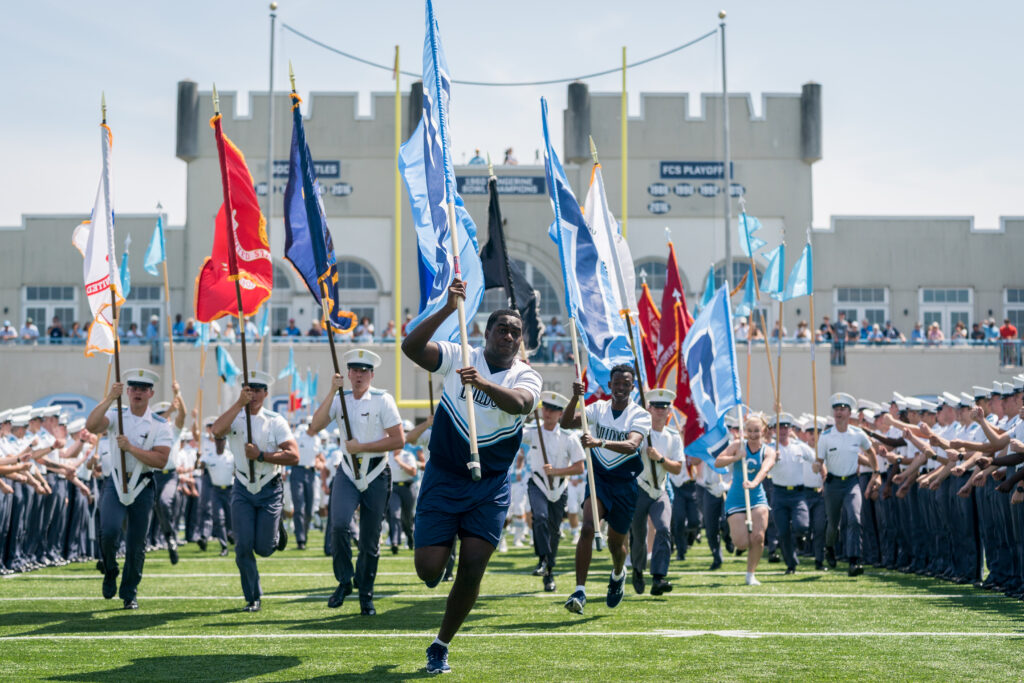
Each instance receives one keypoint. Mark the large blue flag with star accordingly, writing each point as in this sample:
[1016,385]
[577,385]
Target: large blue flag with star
[714,382]
[425,162]
[308,243]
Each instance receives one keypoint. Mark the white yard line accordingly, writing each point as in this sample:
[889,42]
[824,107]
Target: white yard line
[530,634]
[547,596]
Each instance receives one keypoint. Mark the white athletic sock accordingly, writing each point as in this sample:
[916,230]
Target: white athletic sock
[619,575]
[581,589]
[438,641]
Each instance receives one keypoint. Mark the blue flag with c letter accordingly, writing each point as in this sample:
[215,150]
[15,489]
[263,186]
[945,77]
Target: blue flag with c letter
[425,162]
[714,382]
[590,294]
[801,278]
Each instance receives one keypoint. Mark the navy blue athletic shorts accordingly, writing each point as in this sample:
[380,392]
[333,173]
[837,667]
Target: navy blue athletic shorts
[449,505]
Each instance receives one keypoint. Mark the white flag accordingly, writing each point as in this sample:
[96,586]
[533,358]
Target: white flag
[95,240]
[611,245]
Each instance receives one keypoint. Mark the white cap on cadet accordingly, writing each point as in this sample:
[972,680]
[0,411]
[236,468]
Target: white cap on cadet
[928,406]
[5,416]
[209,420]
[258,377]
[51,411]
[36,413]
[864,404]
[407,425]
[841,399]
[867,414]
[966,400]
[784,419]
[997,389]
[161,407]
[981,392]
[76,425]
[361,358]
[20,419]
[1018,383]
[554,399]
[660,396]
[140,377]
[1008,389]
[62,419]
[913,403]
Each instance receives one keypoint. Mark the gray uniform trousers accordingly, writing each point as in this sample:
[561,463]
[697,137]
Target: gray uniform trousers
[660,511]
[255,518]
[15,554]
[920,538]
[1017,523]
[196,513]
[818,522]
[843,495]
[32,531]
[113,515]
[869,521]
[885,515]
[966,539]
[6,503]
[547,521]
[685,516]
[302,481]
[217,506]
[57,519]
[943,514]
[78,524]
[906,550]
[997,555]
[713,508]
[792,519]
[373,505]
[771,536]
[401,509]
[166,490]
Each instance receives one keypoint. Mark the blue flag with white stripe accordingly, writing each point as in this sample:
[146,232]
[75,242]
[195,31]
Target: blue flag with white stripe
[226,367]
[156,253]
[749,301]
[425,162]
[711,364]
[773,282]
[590,293]
[748,225]
[709,289]
[289,369]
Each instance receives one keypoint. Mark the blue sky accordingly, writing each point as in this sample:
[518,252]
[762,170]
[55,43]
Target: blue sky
[921,99]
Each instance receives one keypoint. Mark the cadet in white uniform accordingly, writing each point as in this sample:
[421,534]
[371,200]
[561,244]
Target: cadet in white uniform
[219,473]
[376,430]
[551,464]
[146,444]
[302,482]
[256,503]
[165,480]
[404,469]
[840,448]
[792,517]
[666,452]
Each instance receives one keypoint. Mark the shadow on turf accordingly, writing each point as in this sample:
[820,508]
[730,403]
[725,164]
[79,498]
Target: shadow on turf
[113,620]
[190,668]
[381,672]
[967,597]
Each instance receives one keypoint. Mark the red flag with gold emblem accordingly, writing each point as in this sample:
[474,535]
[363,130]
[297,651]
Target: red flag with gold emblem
[684,401]
[666,351]
[241,249]
[650,327]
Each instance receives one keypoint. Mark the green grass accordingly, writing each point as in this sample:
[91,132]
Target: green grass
[55,626]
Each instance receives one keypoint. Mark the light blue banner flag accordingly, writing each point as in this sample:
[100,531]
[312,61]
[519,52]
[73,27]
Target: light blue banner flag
[264,327]
[711,364]
[126,275]
[710,444]
[749,301]
[425,162]
[290,368]
[709,289]
[156,253]
[590,293]
[773,282]
[801,278]
[312,387]
[226,367]
[298,386]
[748,225]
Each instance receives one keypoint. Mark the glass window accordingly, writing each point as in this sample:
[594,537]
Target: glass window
[353,275]
[657,274]
[739,269]
[281,281]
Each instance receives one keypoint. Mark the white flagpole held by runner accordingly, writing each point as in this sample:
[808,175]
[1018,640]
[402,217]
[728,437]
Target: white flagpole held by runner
[586,430]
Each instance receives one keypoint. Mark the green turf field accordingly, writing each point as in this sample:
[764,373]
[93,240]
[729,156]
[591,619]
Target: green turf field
[882,626]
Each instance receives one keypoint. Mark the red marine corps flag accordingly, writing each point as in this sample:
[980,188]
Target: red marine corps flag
[650,326]
[241,250]
[666,351]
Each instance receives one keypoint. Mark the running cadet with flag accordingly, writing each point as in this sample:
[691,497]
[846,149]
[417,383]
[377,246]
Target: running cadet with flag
[464,493]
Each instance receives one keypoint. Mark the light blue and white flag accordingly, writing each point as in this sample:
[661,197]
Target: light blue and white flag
[801,278]
[156,253]
[773,282]
[711,364]
[748,225]
[290,368]
[591,296]
[226,367]
[125,274]
[749,300]
[204,335]
[425,162]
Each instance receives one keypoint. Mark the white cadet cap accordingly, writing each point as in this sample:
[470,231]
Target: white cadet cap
[140,376]
[1008,389]
[1018,383]
[209,420]
[867,414]
[950,399]
[361,358]
[822,422]
[928,406]
[785,419]
[803,423]
[830,422]
[554,399]
[5,416]
[62,419]
[36,413]
[841,399]
[660,396]
[913,403]
[407,425]
[981,392]
[864,404]
[997,389]
[19,419]
[76,425]
[966,400]
[161,407]
[260,377]
[51,411]
[731,422]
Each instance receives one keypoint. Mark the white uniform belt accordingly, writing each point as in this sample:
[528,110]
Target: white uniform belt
[558,486]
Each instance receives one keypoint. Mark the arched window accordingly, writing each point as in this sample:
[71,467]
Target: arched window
[656,273]
[550,298]
[740,268]
[281,278]
[354,275]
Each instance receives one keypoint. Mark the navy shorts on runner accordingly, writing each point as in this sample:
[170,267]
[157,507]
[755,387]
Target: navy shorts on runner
[619,499]
[449,505]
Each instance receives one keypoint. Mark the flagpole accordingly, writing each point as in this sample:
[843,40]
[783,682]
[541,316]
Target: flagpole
[814,344]
[778,377]
[229,218]
[726,161]
[764,330]
[430,392]
[743,459]
[510,292]
[113,293]
[167,294]
[583,422]
[397,213]
[624,135]
[199,404]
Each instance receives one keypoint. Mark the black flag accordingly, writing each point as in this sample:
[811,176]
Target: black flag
[500,271]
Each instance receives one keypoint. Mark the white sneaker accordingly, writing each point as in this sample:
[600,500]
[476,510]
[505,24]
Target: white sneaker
[752,581]
[503,545]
